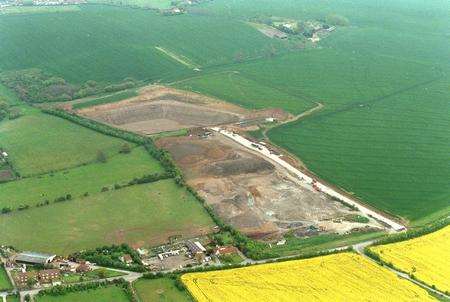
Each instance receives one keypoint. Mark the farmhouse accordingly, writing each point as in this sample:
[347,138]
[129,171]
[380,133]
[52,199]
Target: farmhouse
[34,258]
[225,250]
[126,259]
[48,275]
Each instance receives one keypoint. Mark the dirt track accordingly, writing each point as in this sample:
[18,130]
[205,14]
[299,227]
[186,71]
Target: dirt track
[251,193]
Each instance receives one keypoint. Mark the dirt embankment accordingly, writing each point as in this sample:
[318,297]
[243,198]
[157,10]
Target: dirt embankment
[159,109]
[252,194]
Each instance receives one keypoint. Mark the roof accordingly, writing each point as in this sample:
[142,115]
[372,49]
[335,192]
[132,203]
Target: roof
[223,250]
[33,257]
[48,272]
[195,247]
[127,258]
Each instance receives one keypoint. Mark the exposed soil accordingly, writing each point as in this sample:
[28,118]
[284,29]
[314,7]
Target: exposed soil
[158,109]
[249,192]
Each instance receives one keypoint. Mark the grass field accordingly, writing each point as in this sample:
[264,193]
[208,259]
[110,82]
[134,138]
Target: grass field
[12,299]
[25,10]
[161,289]
[156,4]
[91,178]
[158,210]
[38,143]
[103,294]
[107,99]
[5,284]
[340,277]
[426,257]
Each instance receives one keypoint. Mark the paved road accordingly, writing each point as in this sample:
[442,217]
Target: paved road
[307,179]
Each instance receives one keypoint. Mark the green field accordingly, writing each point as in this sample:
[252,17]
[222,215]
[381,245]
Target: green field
[12,299]
[156,4]
[137,215]
[107,99]
[119,169]
[5,284]
[25,10]
[103,294]
[38,143]
[113,43]
[235,87]
[161,289]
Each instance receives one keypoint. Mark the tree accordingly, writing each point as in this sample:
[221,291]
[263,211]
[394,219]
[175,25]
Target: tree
[125,149]
[101,157]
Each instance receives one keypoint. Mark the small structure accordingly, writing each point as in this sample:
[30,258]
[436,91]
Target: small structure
[126,259]
[225,250]
[281,242]
[83,268]
[48,275]
[34,258]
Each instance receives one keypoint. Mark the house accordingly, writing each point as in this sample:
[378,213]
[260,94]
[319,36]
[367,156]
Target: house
[34,258]
[83,268]
[225,250]
[126,259]
[21,278]
[48,275]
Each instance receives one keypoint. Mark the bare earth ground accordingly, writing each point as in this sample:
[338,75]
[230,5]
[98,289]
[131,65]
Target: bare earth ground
[158,109]
[252,194]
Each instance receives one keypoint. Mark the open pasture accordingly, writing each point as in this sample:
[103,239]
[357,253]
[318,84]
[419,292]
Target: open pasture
[102,294]
[158,210]
[426,257]
[161,289]
[119,169]
[38,143]
[339,277]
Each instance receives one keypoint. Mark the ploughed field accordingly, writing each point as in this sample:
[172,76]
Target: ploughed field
[338,277]
[426,257]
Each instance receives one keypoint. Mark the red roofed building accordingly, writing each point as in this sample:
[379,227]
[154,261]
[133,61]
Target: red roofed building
[225,250]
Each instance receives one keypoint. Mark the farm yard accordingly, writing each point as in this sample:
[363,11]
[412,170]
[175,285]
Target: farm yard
[339,277]
[425,257]
[158,210]
[162,289]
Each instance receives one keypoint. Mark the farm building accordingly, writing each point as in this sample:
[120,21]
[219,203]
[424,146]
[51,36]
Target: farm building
[195,247]
[34,258]
[225,250]
[126,259]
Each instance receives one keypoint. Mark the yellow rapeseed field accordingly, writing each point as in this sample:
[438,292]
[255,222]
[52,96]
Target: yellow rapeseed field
[340,277]
[427,257]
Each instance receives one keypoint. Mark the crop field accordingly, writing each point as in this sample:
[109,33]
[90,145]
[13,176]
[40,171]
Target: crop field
[113,43]
[426,257]
[339,277]
[38,143]
[157,4]
[234,87]
[158,210]
[4,280]
[103,294]
[161,289]
[77,181]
